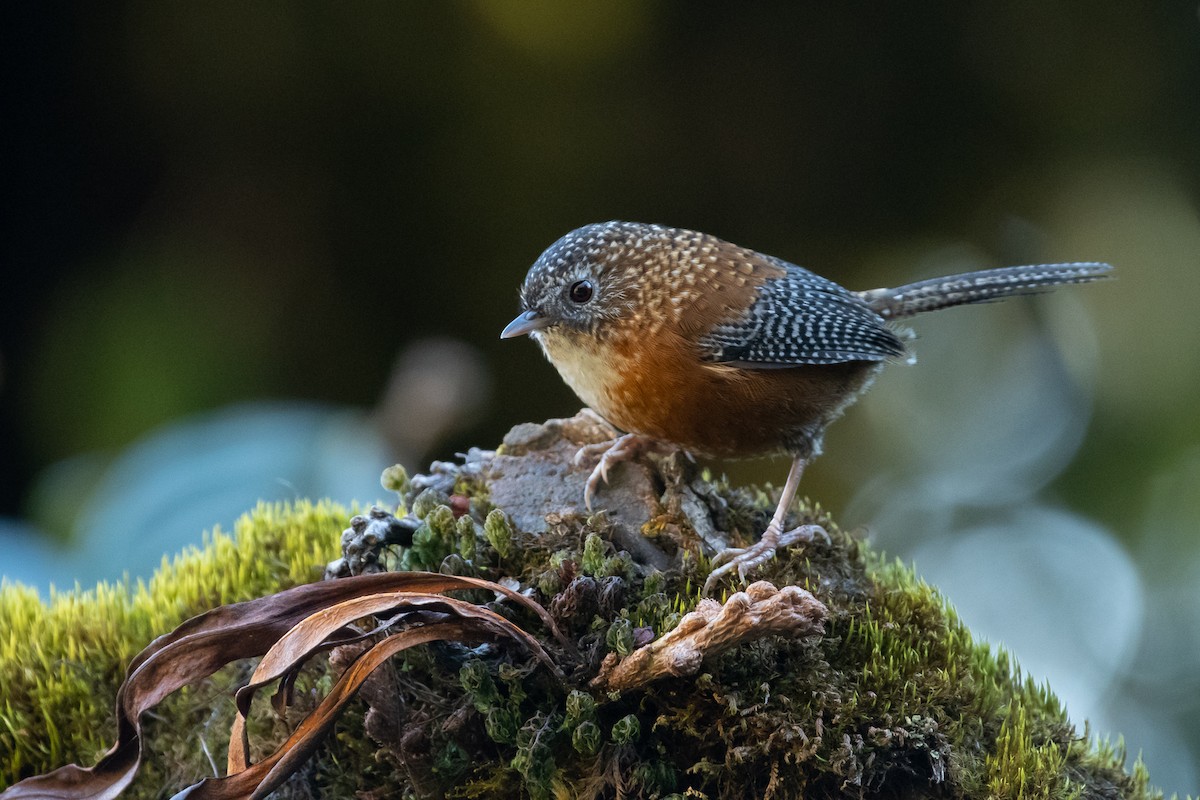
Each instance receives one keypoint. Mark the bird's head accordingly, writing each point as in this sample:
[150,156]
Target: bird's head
[587,279]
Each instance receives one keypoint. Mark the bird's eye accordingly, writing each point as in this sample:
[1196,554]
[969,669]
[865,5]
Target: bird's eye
[581,291]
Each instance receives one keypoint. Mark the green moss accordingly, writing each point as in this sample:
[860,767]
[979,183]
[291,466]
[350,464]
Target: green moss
[395,479]
[896,698]
[468,534]
[499,533]
[62,659]
[1019,768]
[620,637]
[437,538]
[626,730]
[534,758]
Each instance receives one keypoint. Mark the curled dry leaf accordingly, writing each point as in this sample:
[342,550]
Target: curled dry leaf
[205,643]
[259,780]
[312,633]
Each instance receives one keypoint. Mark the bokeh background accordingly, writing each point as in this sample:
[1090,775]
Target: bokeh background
[259,250]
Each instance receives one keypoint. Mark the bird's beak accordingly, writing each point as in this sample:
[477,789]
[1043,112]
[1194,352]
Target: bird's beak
[528,322]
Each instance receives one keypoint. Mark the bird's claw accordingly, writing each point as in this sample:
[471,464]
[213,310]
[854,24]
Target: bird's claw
[612,452]
[599,473]
[590,451]
[747,559]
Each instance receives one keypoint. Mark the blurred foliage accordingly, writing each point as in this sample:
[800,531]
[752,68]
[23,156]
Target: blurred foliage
[225,202]
[202,192]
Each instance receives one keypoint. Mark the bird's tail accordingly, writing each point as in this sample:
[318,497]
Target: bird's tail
[984,286]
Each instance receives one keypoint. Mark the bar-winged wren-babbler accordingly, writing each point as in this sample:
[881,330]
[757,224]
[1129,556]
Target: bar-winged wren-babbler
[679,338]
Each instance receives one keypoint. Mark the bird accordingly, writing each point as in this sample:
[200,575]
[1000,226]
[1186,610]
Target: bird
[680,339]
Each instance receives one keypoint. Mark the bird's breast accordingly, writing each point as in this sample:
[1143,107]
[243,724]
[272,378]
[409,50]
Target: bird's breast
[591,368]
[659,387]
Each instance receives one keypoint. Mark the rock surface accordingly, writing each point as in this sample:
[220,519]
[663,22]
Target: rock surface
[535,474]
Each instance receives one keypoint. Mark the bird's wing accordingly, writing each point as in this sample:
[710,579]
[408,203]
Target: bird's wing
[801,318]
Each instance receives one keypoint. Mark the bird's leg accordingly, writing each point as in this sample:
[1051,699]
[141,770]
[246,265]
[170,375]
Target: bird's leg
[612,452]
[745,559]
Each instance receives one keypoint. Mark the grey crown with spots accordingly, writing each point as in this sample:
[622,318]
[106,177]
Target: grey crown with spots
[799,318]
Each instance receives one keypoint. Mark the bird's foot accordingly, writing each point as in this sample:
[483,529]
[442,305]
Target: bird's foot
[611,453]
[747,559]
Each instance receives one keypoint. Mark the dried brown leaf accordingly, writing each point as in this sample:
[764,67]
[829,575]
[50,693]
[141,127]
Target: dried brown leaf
[298,643]
[259,780]
[205,643]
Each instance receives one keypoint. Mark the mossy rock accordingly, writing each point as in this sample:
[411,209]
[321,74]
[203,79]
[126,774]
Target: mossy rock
[894,699]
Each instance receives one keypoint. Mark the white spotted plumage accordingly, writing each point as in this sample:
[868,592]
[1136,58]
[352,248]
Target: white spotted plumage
[802,318]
